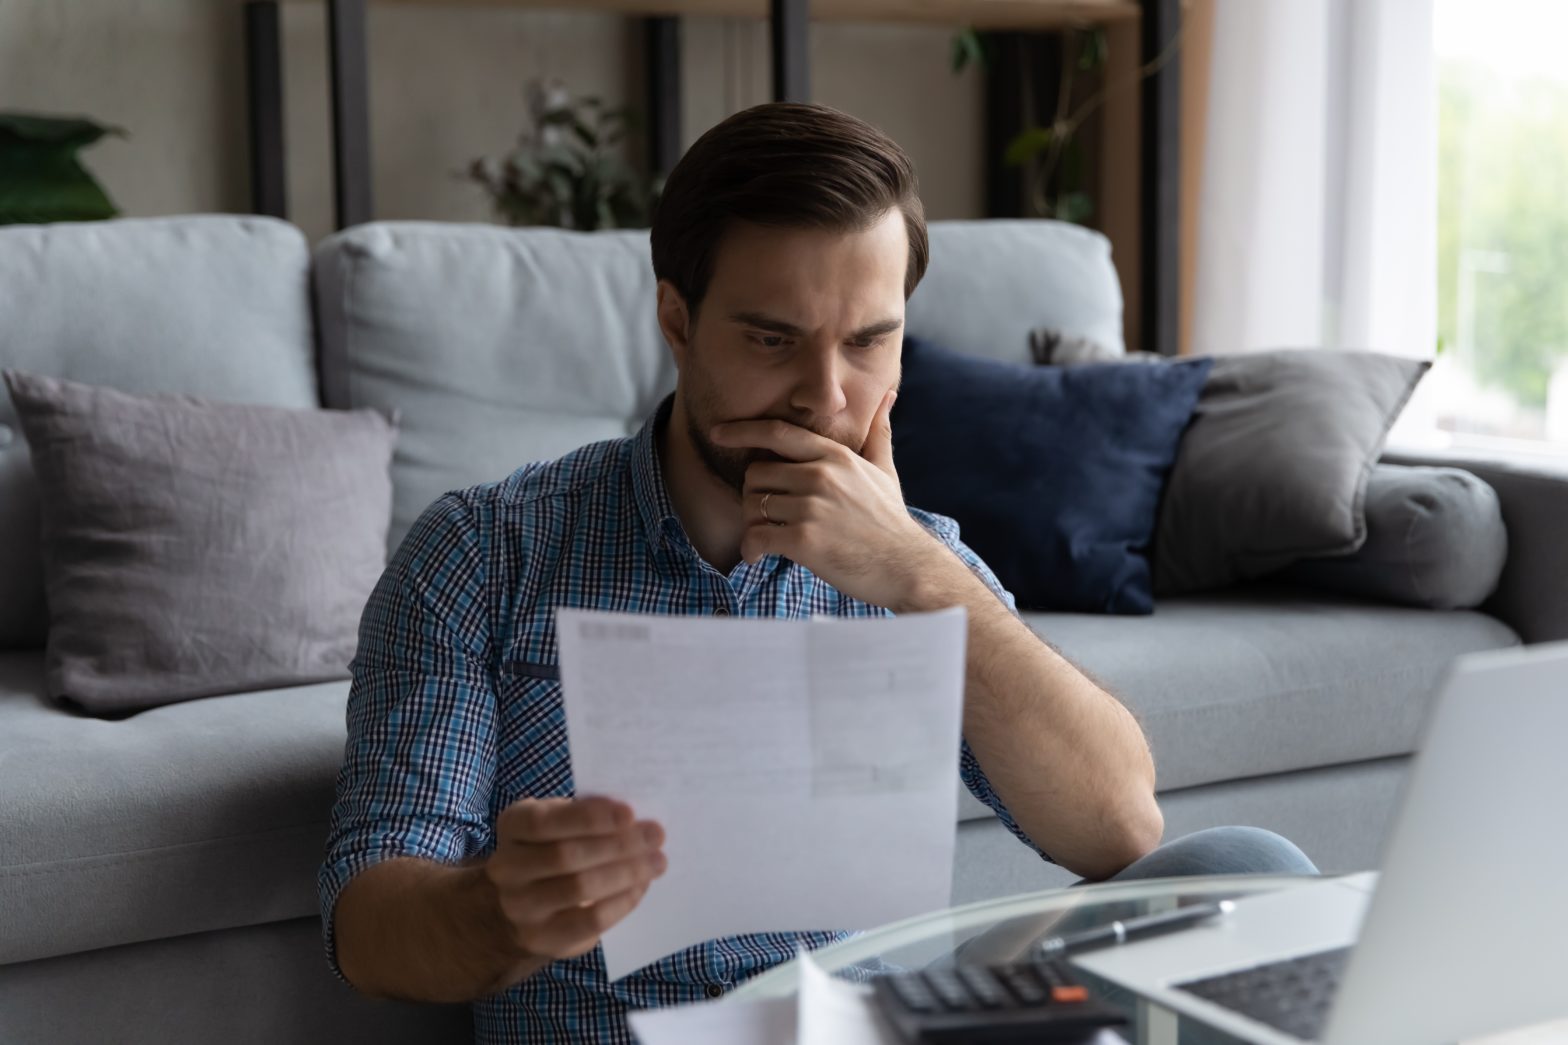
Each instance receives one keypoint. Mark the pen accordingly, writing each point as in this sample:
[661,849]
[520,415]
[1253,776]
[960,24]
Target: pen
[1133,929]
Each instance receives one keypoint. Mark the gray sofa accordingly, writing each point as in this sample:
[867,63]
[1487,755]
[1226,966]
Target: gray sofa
[157,872]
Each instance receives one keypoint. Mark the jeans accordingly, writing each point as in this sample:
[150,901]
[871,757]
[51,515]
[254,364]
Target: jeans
[1215,851]
[1220,850]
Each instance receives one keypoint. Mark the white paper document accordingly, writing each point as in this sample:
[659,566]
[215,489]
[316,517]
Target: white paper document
[825,1011]
[805,772]
[837,1012]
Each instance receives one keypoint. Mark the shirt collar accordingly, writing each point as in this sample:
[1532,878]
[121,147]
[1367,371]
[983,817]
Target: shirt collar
[653,500]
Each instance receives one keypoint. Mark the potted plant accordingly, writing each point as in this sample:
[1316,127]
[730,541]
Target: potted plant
[568,169]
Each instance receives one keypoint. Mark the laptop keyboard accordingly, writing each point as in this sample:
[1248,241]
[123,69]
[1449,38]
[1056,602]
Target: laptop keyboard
[1291,996]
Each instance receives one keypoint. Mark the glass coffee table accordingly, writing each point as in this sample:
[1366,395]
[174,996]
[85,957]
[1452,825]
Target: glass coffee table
[998,931]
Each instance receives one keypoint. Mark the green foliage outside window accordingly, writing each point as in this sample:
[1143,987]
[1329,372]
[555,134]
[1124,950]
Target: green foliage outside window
[1503,227]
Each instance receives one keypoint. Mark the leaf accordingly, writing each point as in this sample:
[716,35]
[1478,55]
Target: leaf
[573,169]
[1094,49]
[73,132]
[1076,207]
[967,48]
[1026,145]
[41,178]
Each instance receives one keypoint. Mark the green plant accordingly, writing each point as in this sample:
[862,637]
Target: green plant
[568,170]
[41,178]
[1057,173]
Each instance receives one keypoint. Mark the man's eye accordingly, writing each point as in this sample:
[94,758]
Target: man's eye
[866,342]
[768,340]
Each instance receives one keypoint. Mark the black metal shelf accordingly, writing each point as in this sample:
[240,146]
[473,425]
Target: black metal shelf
[789,20]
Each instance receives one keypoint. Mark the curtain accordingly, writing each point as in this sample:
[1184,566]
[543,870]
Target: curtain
[1317,208]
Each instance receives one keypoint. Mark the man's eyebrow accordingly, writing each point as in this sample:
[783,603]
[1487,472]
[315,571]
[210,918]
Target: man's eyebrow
[885,326]
[763,321]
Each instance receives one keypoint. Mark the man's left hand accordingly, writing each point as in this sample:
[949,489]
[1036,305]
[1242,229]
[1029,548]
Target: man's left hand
[838,513]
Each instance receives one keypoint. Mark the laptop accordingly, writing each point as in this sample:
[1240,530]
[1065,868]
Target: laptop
[1464,932]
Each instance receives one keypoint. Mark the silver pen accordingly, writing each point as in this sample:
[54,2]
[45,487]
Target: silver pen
[1133,929]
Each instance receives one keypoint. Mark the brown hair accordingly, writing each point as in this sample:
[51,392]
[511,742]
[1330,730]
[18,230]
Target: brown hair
[784,165]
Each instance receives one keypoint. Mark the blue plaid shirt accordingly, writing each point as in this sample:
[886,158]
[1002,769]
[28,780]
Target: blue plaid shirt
[455,710]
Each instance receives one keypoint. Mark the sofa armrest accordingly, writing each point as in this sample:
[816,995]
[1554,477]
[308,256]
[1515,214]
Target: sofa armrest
[1532,596]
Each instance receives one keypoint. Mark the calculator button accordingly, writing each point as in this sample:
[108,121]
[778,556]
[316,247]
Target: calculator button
[1069,995]
[1025,987]
[913,993]
[983,986]
[947,987]
[1052,974]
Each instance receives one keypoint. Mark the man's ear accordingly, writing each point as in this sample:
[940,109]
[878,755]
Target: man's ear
[674,321]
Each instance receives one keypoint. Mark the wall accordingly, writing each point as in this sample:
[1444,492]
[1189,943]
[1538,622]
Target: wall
[447,86]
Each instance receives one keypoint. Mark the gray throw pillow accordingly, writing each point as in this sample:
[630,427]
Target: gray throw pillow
[194,548]
[1435,538]
[1274,465]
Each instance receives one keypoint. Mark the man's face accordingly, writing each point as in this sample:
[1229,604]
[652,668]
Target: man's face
[801,325]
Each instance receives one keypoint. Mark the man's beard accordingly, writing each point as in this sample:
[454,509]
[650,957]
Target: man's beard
[728,464]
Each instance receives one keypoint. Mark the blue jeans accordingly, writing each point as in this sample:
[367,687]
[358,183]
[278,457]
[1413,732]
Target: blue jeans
[1220,850]
[1216,851]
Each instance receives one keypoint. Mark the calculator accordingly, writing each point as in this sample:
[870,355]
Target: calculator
[1036,1001]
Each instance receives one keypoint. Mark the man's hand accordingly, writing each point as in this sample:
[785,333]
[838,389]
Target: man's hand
[838,513]
[565,870]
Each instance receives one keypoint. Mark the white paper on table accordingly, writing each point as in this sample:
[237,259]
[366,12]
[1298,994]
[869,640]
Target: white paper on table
[825,1011]
[805,772]
[837,1012]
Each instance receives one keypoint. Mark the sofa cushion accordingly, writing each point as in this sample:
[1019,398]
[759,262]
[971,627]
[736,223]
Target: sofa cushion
[495,346]
[1274,466]
[991,282]
[213,813]
[503,346]
[183,819]
[194,548]
[1266,679]
[1435,538]
[1054,473]
[211,306]
[1263,679]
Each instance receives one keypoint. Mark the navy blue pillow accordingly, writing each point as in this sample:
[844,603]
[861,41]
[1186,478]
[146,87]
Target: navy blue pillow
[1053,473]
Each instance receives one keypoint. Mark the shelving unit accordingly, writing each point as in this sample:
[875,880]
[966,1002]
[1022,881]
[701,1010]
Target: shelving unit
[789,21]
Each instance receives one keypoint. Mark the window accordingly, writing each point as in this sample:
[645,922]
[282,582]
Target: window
[1501,374]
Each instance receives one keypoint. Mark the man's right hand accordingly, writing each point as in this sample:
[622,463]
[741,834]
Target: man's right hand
[564,870]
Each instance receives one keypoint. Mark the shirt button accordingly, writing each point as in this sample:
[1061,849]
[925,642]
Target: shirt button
[713,990]
[722,611]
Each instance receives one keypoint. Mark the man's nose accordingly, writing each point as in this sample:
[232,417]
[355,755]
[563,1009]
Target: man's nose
[818,383]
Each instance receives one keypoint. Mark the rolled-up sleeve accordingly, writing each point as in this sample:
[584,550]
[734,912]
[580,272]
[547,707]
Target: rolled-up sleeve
[419,764]
[974,778]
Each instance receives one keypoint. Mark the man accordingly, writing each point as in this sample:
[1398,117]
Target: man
[460,865]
